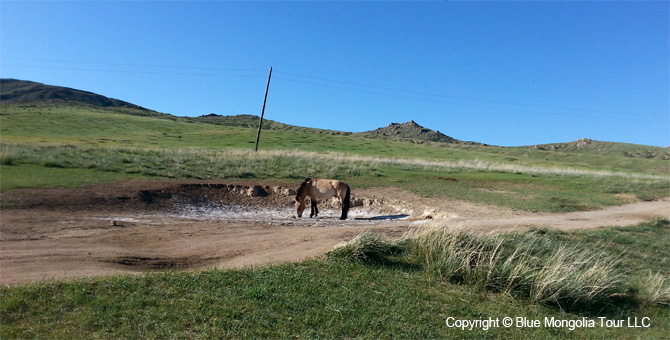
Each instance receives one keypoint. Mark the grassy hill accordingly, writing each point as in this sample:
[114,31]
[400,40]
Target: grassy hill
[44,137]
[21,91]
[27,93]
[39,140]
[251,122]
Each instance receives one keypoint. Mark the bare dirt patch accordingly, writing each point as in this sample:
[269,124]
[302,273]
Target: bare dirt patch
[139,226]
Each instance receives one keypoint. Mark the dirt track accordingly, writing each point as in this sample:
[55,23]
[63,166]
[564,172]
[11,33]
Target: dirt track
[135,226]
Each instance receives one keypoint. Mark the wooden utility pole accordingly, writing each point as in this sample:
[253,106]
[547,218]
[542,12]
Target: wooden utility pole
[260,124]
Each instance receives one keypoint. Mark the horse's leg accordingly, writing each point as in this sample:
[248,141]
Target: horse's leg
[316,209]
[346,202]
[311,207]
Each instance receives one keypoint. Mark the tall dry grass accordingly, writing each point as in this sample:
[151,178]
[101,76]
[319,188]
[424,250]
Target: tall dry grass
[520,264]
[242,162]
[184,162]
[478,164]
[654,289]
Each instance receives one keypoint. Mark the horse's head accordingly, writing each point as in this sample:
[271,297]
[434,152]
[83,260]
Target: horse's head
[300,206]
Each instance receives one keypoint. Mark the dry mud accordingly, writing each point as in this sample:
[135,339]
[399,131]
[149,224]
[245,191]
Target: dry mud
[139,226]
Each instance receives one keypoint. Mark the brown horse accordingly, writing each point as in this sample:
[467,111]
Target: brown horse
[322,189]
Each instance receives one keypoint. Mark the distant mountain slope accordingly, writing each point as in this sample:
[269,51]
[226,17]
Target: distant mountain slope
[585,145]
[22,91]
[409,131]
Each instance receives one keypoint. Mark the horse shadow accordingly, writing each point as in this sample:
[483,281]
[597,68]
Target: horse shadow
[382,217]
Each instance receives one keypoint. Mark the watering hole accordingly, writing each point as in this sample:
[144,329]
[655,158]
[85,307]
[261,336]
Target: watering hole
[286,215]
[272,205]
[269,216]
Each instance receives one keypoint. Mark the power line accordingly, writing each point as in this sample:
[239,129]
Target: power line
[137,72]
[467,105]
[136,65]
[210,74]
[466,98]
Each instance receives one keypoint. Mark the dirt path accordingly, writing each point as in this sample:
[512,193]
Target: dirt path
[623,215]
[133,227]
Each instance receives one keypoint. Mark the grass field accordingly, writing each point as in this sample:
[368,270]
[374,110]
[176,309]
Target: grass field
[371,288]
[346,297]
[44,123]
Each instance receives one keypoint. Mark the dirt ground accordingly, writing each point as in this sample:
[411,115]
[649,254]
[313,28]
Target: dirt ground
[138,226]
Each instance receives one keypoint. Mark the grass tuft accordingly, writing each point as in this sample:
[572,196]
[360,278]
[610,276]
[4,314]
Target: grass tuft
[654,289]
[366,248]
[528,265]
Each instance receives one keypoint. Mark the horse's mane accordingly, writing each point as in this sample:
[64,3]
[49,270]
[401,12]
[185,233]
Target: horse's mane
[302,188]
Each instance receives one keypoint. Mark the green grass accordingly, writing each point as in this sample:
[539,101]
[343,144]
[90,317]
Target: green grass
[531,188]
[327,299]
[46,123]
[38,176]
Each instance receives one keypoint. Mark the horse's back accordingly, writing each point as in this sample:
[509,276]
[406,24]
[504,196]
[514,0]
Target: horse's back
[327,188]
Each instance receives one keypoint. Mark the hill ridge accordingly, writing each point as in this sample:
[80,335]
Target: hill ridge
[409,130]
[24,91]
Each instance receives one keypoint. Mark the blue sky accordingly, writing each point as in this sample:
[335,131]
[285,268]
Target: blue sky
[504,73]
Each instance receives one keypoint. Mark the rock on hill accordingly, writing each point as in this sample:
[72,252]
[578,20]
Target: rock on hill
[22,91]
[409,131]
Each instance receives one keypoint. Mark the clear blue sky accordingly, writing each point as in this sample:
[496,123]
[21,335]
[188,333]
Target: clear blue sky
[504,73]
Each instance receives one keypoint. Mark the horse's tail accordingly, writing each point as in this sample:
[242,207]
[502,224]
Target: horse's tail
[346,203]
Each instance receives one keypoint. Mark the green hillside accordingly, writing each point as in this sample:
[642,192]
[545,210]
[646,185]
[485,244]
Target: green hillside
[41,138]
[21,91]
[590,146]
[45,98]
[251,121]
[80,124]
